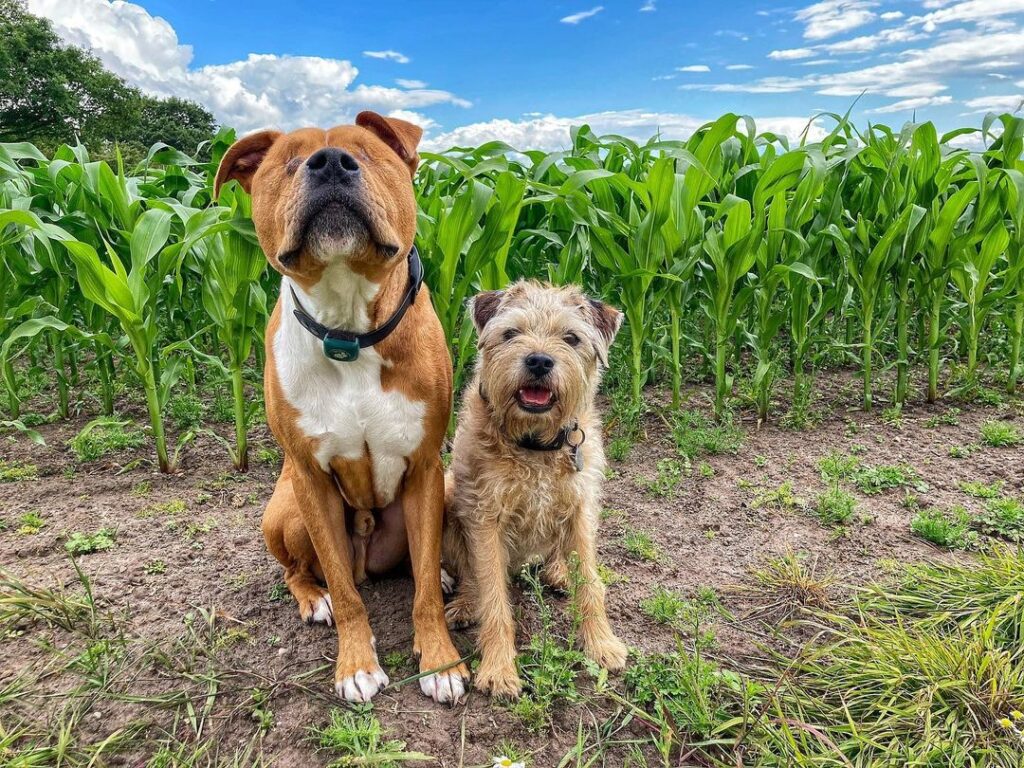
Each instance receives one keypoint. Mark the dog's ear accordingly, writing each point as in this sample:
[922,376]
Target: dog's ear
[607,320]
[243,158]
[402,136]
[483,307]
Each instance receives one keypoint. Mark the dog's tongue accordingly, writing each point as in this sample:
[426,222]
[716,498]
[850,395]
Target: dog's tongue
[535,396]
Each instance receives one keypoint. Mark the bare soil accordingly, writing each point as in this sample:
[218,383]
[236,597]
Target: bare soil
[711,530]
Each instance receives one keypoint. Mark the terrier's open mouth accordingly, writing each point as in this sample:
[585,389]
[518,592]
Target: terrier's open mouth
[535,399]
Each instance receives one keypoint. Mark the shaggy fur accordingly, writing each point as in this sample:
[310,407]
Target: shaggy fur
[508,505]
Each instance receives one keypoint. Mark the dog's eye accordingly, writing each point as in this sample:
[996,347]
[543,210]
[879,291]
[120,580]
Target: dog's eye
[293,165]
[510,334]
[571,339]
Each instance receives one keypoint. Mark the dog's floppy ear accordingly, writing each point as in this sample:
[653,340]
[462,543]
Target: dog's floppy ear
[607,320]
[483,307]
[243,158]
[402,136]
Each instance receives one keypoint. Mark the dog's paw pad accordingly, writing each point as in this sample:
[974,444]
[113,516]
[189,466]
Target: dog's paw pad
[447,582]
[444,687]
[362,686]
[323,611]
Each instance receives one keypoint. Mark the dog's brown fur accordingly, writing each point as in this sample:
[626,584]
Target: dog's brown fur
[508,505]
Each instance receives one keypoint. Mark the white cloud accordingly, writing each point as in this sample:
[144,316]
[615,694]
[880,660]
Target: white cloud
[791,54]
[549,132]
[907,105]
[916,73]
[404,83]
[833,17]
[891,15]
[576,18]
[1009,103]
[969,11]
[648,7]
[399,58]
[258,91]
[738,67]
[694,68]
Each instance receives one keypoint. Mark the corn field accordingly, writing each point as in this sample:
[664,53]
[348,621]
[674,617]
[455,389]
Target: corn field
[735,256]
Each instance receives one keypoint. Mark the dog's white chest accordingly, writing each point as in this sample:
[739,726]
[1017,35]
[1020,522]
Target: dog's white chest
[343,406]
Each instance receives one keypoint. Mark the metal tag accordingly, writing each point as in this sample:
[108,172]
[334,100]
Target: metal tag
[342,350]
[577,454]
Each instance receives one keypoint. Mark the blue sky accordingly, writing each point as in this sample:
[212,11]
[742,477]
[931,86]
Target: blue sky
[525,71]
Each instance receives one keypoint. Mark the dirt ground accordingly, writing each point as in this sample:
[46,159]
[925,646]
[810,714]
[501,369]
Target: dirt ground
[188,548]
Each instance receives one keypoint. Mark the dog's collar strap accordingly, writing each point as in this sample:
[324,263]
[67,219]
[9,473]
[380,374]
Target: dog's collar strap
[344,346]
[531,443]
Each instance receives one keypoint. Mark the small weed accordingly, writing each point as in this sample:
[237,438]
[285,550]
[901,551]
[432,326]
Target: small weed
[619,448]
[705,470]
[962,451]
[277,592]
[781,499]
[104,436]
[610,576]
[670,473]
[950,417]
[837,466]
[664,606]
[946,529]
[696,434]
[185,411]
[1000,434]
[30,523]
[396,660]
[872,480]
[85,544]
[835,506]
[260,711]
[760,462]
[142,489]
[163,509]
[16,471]
[982,490]
[640,545]
[1003,518]
[267,455]
[155,567]
[893,417]
[792,585]
[356,736]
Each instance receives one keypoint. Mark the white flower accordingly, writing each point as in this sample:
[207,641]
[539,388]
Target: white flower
[504,762]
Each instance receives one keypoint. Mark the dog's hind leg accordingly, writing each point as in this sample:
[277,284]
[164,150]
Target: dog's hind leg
[289,542]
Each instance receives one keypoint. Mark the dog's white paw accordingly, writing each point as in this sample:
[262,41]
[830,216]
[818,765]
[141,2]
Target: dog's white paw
[444,687]
[323,612]
[447,582]
[362,686]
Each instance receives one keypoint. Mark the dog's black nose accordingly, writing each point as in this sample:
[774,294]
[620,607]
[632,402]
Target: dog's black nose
[332,165]
[539,364]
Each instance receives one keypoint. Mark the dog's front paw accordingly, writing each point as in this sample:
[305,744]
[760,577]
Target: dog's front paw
[448,687]
[447,583]
[500,680]
[555,574]
[610,652]
[362,685]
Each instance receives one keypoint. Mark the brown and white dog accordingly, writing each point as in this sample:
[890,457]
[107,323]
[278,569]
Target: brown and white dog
[527,467]
[335,213]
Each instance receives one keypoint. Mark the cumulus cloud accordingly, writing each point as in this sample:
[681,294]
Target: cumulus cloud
[906,105]
[917,72]
[1009,103]
[833,17]
[791,54]
[576,18]
[970,11]
[550,132]
[694,68]
[395,56]
[648,7]
[404,83]
[258,91]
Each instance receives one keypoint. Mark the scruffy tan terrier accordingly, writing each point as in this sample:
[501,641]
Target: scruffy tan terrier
[527,468]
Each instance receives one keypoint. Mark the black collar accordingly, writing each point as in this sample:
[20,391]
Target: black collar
[344,346]
[530,442]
